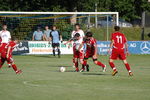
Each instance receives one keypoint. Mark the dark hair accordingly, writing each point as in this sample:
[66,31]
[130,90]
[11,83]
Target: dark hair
[46,26]
[54,26]
[4,25]
[77,35]
[77,25]
[117,28]
[89,34]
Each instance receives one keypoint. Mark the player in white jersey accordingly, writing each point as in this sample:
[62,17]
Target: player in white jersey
[5,38]
[81,33]
[77,55]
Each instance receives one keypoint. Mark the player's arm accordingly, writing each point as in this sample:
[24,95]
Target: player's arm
[111,46]
[69,41]
[33,36]
[50,37]
[95,50]
[60,36]
[44,37]
[126,49]
[126,46]
[8,51]
[9,36]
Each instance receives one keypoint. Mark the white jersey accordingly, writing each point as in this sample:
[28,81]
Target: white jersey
[77,43]
[5,36]
[80,32]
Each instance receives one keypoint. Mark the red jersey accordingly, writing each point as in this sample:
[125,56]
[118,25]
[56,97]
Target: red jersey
[11,44]
[90,44]
[119,40]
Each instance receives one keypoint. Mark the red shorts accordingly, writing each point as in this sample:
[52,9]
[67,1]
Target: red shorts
[118,54]
[9,59]
[89,54]
[3,47]
[78,54]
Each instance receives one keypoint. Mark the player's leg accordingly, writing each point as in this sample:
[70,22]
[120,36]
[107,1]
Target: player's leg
[112,65]
[58,49]
[98,63]
[76,60]
[76,64]
[113,56]
[123,58]
[81,57]
[53,46]
[128,67]
[9,64]
[86,57]
[83,67]
[2,61]
[13,65]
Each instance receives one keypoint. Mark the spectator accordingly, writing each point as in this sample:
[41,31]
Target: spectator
[37,35]
[46,34]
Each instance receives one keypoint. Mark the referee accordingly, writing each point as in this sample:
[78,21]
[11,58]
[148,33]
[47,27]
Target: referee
[55,37]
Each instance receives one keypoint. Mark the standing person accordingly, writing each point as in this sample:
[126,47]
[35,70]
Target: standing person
[5,37]
[119,48]
[46,33]
[55,37]
[6,55]
[91,50]
[37,35]
[81,32]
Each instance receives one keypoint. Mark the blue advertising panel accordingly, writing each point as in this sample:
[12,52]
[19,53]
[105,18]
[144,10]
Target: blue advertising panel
[135,47]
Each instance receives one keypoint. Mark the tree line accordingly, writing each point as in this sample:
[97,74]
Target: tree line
[129,10]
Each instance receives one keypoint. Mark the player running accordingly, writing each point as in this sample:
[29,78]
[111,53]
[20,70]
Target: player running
[77,55]
[55,37]
[91,50]
[6,55]
[119,48]
[81,32]
[5,37]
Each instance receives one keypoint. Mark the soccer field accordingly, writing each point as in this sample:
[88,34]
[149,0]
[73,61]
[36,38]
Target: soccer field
[41,80]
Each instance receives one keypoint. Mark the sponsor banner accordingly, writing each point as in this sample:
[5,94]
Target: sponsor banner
[21,48]
[44,47]
[135,47]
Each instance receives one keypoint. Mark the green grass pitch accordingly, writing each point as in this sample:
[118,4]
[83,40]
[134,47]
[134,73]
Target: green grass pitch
[41,80]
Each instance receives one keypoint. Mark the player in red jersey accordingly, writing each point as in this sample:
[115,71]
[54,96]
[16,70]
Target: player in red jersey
[6,55]
[91,50]
[119,48]
[77,55]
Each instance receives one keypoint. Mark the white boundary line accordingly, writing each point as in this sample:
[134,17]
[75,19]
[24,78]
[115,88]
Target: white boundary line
[29,84]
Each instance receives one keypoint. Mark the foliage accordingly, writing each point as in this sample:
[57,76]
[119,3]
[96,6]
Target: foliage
[128,9]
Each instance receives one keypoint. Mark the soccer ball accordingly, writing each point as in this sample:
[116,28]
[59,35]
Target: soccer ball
[62,69]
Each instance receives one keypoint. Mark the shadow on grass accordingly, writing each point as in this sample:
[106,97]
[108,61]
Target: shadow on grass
[44,56]
[59,66]
[93,74]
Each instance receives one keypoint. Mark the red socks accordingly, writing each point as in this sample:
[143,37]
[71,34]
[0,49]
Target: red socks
[128,67]
[100,64]
[112,66]
[14,67]
[84,63]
